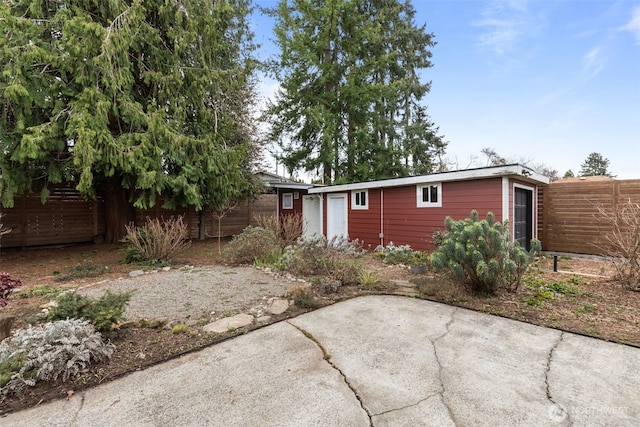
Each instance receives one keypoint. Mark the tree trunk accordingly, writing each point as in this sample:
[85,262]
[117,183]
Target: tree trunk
[201,225]
[6,321]
[118,211]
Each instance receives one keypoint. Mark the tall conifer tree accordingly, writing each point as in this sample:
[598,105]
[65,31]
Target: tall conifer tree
[350,104]
[130,99]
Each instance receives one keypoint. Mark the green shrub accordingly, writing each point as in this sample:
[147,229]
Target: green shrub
[437,238]
[367,278]
[254,243]
[102,312]
[481,254]
[60,349]
[157,241]
[180,328]
[84,269]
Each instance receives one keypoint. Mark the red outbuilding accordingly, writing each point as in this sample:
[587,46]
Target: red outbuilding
[409,210]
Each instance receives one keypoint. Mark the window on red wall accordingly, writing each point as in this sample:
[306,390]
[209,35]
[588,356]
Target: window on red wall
[287,201]
[429,195]
[360,199]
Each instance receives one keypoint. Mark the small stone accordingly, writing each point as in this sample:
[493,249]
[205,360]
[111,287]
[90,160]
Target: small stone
[136,273]
[263,319]
[229,323]
[166,268]
[142,356]
[158,323]
[278,306]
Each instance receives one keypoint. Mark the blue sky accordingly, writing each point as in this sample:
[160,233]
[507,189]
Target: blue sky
[538,81]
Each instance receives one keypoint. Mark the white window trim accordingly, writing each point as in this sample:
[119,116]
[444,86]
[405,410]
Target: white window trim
[353,200]
[286,196]
[420,203]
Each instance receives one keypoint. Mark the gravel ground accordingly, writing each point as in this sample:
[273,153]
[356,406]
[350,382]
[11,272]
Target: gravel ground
[192,294]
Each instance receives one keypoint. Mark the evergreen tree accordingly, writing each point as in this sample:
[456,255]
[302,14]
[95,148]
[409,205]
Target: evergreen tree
[569,174]
[350,104]
[129,99]
[595,165]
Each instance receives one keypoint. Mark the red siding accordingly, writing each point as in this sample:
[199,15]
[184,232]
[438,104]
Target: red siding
[297,202]
[364,224]
[406,224]
[393,211]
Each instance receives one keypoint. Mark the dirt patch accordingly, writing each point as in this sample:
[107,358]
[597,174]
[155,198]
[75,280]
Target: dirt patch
[580,298]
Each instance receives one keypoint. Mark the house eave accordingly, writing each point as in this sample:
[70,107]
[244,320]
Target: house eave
[291,185]
[513,170]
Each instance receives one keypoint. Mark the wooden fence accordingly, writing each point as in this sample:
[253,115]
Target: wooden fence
[68,218]
[568,220]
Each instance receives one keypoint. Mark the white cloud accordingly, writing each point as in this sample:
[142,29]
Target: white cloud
[594,61]
[634,24]
[503,24]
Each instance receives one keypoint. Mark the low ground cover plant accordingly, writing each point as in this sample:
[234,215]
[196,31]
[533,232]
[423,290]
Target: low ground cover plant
[55,350]
[82,270]
[480,253]
[103,313]
[402,254]
[156,242]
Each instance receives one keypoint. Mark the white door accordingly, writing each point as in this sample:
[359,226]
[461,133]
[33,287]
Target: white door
[311,216]
[337,216]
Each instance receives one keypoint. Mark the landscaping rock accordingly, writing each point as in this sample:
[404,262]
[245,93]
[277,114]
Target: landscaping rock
[158,322]
[136,273]
[278,306]
[229,323]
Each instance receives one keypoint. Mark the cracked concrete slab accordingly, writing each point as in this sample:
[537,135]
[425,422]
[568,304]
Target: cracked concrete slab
[430,411]
[373,361]
[273,376]
[387,355]
[595,384]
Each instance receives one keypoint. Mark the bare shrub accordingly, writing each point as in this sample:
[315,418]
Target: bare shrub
[624,241]
[156,241]
[286,228]
[331,259]
[253,244]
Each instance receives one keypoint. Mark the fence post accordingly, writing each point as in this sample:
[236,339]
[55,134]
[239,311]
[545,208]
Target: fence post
[23,222]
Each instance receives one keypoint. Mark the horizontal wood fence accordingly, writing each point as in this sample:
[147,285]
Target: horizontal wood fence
[68,218]
[568,218]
